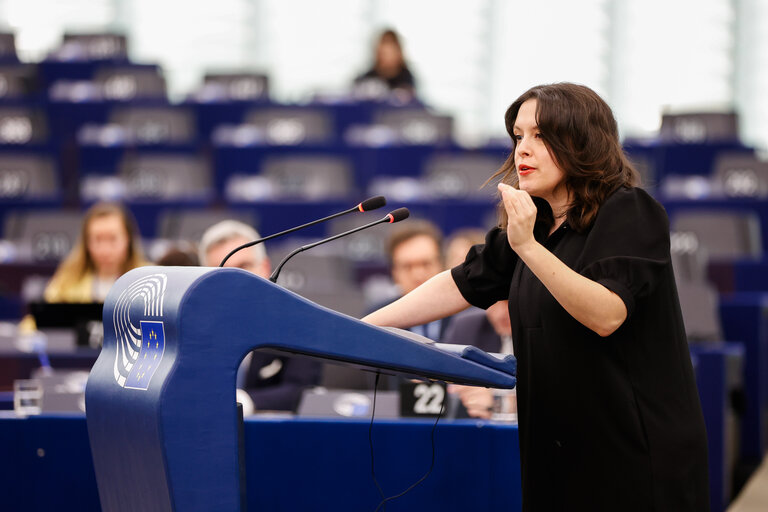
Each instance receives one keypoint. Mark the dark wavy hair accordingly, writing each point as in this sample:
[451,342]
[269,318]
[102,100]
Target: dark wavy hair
[581,134]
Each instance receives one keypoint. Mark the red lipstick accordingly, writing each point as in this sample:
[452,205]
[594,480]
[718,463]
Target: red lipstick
[522,170]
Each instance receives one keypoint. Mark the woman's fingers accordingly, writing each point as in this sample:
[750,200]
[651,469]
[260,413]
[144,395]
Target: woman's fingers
[521,213]
[506,197]
[511,202]
[517,203]
[528,199]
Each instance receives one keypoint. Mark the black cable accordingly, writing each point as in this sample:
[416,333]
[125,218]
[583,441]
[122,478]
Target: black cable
[431,466]
[370,436]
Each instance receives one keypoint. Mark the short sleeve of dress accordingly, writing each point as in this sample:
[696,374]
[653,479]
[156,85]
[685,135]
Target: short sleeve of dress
[627,248]
[485,276]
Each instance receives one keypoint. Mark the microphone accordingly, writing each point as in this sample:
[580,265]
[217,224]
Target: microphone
[369,204]
[391,217]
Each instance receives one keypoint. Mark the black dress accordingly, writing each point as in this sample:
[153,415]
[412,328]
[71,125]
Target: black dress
[606,424]
[275,383]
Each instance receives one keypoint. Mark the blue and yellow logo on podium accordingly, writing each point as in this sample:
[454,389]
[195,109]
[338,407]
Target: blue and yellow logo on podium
[150,355]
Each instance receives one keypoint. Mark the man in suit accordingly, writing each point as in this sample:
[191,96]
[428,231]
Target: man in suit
[490,331]
[415,252]
[265,381]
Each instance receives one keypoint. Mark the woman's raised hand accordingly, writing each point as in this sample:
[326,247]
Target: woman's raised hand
[521,216]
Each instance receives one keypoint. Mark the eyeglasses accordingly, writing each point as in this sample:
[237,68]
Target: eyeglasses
[409,266]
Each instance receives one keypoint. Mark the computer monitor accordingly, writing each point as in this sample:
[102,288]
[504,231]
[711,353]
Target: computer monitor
[80,317]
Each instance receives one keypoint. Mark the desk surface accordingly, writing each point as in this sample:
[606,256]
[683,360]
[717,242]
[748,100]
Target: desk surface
[292,464]
[20,365]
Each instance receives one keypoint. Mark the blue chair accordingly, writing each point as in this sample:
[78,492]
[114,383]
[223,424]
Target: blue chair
[417,126]
[28,177]
[42,235]
[8,47]
[226,87]
[293,126]
[460,175]
[22,126]
[18,81]
[723,234]
[740,175]
[699,127]
[165,177]
[129,83]
[720,377]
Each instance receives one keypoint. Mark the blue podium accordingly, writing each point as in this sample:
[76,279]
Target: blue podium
[161,412]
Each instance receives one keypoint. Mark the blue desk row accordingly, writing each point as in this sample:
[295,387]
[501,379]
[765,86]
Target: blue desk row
[20,365]
[745,319]
[364,162]
[57,124]
[719,370]
[275,216]
[449,214]
[317,464]
[63,119]
[662,160]
[329,449]
[291,464]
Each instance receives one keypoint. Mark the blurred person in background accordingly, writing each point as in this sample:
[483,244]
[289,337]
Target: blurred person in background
[389,66]
[488,330]
[178,257]
[265,382]
[458,244]
[415,253]
[109,246]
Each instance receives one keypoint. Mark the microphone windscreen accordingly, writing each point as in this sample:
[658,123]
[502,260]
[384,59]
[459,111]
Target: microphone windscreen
[372,203]
[398,215]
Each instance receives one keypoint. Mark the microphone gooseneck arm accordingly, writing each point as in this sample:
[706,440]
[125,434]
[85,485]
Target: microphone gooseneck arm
[365,206]
[395,216]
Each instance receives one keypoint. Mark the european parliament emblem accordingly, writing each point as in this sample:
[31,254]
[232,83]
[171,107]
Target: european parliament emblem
[150,355]
[145,296]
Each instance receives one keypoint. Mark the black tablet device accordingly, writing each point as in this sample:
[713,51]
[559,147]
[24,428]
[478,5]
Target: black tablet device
[61,314]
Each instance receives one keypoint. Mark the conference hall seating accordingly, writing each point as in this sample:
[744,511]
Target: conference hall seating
[87,124]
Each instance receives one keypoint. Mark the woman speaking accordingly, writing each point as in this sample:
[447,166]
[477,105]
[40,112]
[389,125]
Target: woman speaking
[608,409]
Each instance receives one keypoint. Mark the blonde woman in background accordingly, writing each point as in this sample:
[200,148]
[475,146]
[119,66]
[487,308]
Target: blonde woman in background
[108,247]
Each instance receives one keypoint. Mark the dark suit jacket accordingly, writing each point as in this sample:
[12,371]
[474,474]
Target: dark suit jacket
[471,327]
[390,382]
[275,383]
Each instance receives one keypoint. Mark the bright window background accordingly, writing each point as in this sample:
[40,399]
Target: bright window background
[670,55]
[547,41]
[39,24]
[470,59]
[751,78]
[188,37]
